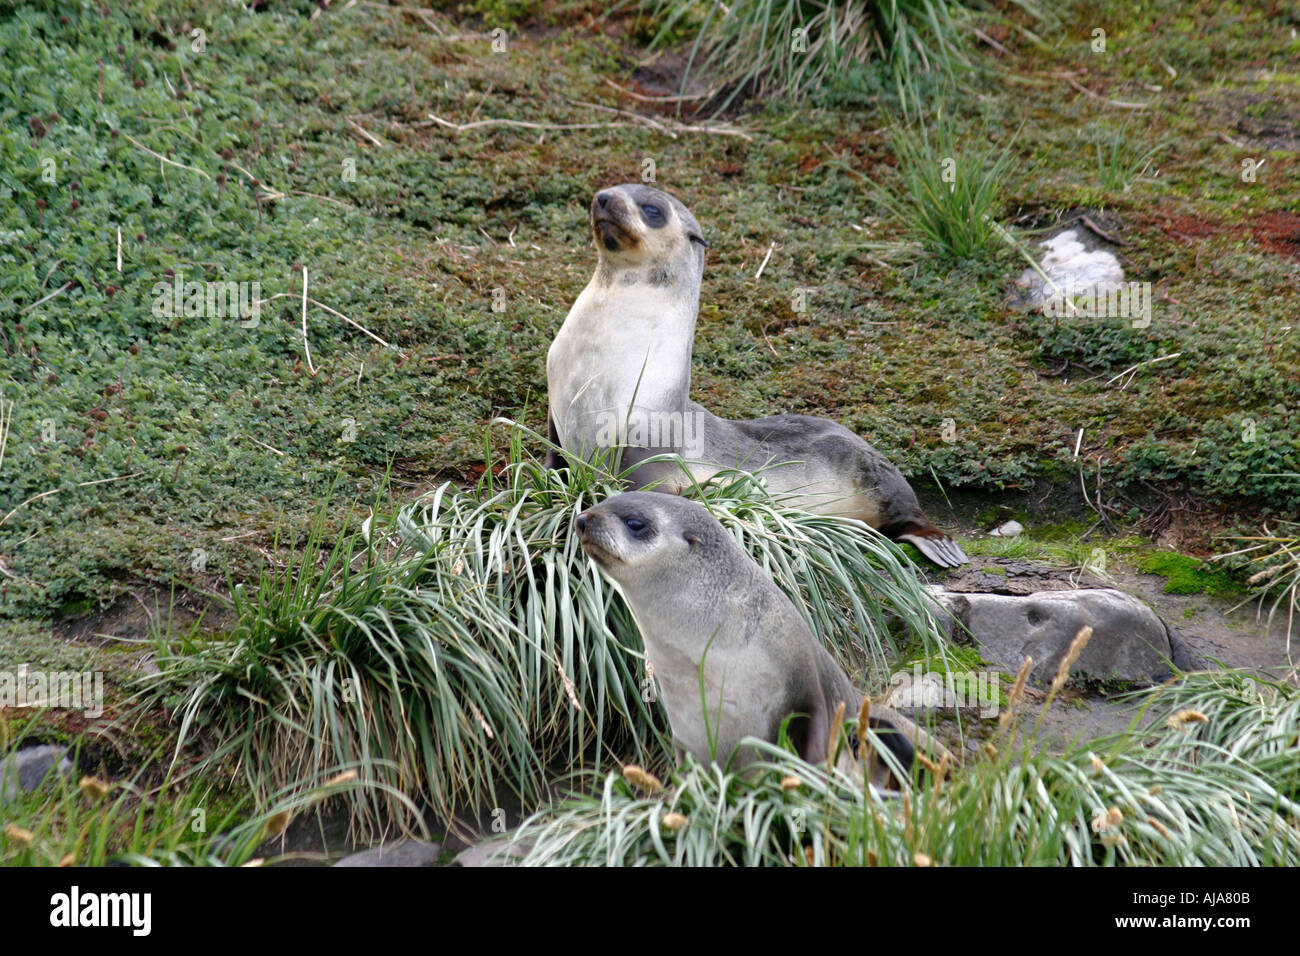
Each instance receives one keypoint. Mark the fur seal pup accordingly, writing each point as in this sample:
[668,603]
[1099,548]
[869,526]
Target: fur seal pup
[697,595]
[619,374]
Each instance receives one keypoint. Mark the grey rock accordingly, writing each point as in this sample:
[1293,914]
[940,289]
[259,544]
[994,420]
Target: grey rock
[1008,530]
[23,770]
[1186,657]
[404,853]
[1129,641]
[1012,576]
[492,853]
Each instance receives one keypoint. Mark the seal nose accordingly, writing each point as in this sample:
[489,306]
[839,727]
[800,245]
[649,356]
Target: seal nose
[602,198]
[581,522]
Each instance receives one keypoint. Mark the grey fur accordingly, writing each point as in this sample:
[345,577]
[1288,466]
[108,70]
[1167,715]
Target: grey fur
[697,595]
[624,354]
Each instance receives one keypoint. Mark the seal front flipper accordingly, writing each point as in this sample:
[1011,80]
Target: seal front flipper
[645,475]
[554,460]
[906,732]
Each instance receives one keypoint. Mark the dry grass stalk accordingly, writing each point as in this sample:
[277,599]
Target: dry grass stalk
[1017,691]
[642,779]
[1184,717]
[833,741]
[1063,671]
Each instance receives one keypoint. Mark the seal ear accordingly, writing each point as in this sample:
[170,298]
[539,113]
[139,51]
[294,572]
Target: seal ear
[696,237]
[691,538]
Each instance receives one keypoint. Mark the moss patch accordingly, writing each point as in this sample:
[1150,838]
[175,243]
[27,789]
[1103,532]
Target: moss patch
[1187,575]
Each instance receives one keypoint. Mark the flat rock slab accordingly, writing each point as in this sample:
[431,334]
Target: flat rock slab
[1012,576]
[23,771]
[491,853]
[403,853]
[1129,641]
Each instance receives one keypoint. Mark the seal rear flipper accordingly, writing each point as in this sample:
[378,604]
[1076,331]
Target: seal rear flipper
[896,739]
[930,541]
[922,743]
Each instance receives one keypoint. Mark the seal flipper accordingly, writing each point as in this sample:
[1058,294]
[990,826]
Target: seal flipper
[894,738]
[664,476]
[930,541]
[554,460]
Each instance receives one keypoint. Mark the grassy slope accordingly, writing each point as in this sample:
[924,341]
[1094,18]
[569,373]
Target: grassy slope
[436,221]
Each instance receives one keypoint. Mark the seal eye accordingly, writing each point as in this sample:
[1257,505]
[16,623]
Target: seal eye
[653,214]
[635,525]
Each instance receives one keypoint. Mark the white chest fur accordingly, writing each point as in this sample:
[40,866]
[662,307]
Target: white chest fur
[624,350]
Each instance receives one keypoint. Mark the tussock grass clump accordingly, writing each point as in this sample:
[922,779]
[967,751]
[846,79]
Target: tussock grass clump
[1186,791]
[792,48]
[947,194]
[1121,159]
[464,650]
[1274,566]
[1251,719]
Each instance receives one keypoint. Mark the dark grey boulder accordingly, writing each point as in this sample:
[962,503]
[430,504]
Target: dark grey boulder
[23,770]
[1129,641]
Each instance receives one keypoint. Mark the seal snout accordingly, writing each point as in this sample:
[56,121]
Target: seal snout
[609,220]
[588,525]
[606,207]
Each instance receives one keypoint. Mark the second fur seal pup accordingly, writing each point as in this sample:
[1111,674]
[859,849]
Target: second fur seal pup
[619,374]
[698,597]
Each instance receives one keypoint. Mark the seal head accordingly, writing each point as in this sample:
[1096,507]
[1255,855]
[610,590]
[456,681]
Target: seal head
[642,234]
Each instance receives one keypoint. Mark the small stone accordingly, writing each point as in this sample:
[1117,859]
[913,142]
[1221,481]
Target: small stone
[404,853]
[491,853]
[1075,265]
[24,770]
[970,694]
[1008,530]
